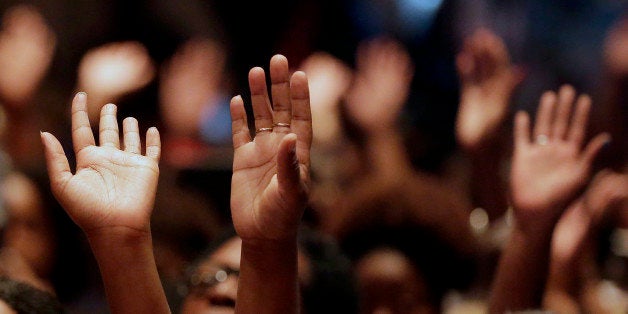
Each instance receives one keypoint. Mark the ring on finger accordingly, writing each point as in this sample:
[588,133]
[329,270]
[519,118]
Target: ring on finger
[542,139]
[281,124]
[260,130]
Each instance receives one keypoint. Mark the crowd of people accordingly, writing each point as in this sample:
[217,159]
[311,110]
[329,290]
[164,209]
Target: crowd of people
[391,157]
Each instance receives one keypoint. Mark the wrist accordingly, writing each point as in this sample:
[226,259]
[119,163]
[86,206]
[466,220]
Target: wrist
[118,236]
[268,246]
[533,231]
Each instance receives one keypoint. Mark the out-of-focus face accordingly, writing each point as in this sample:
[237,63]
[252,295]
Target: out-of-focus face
[389,283]
[29,230]
[215,282]
[213,287]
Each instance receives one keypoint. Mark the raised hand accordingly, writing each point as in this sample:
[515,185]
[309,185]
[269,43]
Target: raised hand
[271,171]
[487,82]
[381,85]
[607,198]
[113,70]
[616,48]
[329,79]
[190,81]
[111,188]
[27,45]
[549,169]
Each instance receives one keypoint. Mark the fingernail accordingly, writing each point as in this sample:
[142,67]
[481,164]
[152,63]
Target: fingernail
[81,95]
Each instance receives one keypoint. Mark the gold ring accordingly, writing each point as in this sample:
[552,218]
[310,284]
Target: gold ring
[286,125]
[260,130]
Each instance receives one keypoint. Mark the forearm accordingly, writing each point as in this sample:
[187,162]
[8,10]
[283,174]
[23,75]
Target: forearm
[522,272]
[268,277]
[127,265]
[386,152]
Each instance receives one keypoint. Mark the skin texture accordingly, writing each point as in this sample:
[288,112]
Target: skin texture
[269,187]
[110,196]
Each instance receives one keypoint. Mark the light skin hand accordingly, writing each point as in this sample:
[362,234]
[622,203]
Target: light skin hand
[488,80]
[111,188]
[381,85]
[27,46]
[548,172]
[271,171]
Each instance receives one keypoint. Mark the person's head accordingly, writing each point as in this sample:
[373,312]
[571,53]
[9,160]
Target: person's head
[20,298]
[389,282]
[403,269]
[325,279]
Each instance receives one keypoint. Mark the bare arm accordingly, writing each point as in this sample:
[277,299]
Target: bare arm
[110,196]
[488,80]
[269,187]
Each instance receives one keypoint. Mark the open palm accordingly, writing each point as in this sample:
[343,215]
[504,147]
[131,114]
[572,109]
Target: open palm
[548,172]
[271,171]
[111,187]
[488,80]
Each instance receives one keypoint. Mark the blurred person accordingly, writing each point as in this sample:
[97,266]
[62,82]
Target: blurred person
[403,268]
[193,102]
[29,246]
[380,182]
[18,297]
[325,280]
[112,71]
[27,46]
[549,169]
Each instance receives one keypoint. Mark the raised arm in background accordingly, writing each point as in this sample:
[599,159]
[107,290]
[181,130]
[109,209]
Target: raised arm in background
[549,169]
[269,187]
[110,196]
[488,80]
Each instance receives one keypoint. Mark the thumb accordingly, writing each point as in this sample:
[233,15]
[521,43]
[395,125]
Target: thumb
[56,162]
[288,169]
[594,147]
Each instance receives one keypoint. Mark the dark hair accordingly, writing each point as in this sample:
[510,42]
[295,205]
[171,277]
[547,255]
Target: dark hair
[25,299]
[438,263]
[332,286]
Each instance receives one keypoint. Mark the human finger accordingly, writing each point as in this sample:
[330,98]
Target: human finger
[301,115]
[153,144]
[131,135]
[109,134]
[280,91]
[262,111]
[544,115]
[566,96]
[239,127]
[82,135]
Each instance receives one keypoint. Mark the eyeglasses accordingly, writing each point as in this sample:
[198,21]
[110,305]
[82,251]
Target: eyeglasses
[198,283]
